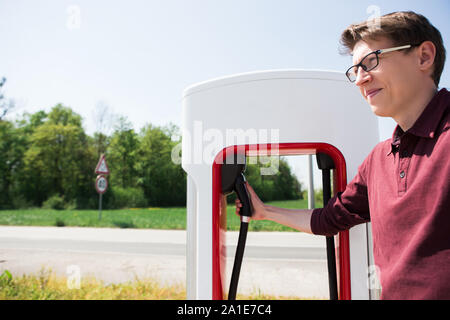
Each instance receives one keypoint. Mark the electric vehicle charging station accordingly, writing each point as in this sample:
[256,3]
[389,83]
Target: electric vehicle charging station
[275,113]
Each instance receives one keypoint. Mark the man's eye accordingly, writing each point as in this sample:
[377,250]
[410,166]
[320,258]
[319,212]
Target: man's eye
[368,60]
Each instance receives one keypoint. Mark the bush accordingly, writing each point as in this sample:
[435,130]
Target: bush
[318,197]
[54,202]
[71,205]
[124,224]
[20,202]
[60,223]
[127,198]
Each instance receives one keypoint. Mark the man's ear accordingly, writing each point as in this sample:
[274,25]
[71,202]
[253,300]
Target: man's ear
[426,53]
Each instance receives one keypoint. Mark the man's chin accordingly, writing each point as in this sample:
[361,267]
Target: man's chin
[380,111]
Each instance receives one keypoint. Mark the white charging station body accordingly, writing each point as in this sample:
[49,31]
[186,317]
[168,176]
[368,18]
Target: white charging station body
[269,107]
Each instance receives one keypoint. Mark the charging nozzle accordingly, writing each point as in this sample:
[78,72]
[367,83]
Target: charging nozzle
[233,180]
[326,164]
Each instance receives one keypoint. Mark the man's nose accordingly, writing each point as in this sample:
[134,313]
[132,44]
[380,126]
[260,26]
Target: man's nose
[362,76]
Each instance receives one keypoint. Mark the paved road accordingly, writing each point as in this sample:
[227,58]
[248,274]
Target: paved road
[275,263]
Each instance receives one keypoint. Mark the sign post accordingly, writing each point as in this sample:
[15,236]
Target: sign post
[101,183]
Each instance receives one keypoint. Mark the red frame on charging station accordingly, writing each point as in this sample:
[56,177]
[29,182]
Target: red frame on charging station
[219,208]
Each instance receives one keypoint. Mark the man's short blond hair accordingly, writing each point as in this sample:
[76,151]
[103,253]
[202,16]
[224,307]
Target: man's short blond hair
[403,27]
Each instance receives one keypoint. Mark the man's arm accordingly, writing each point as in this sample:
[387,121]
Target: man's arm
[341,213]
[299,219]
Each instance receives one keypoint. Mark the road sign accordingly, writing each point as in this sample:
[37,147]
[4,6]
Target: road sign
[101,184]
[102,167]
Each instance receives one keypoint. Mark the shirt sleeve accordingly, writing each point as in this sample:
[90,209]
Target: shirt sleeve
[345,210]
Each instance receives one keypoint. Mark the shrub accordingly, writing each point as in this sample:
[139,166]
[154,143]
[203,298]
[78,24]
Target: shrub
[71,205]
[60,223]
[124,224]
[54,202]
[318,195]
[127,198]
[20,202]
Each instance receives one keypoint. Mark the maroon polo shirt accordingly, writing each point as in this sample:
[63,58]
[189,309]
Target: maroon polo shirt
[403,188]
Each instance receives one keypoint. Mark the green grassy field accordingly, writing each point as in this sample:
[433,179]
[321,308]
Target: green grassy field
[146,218]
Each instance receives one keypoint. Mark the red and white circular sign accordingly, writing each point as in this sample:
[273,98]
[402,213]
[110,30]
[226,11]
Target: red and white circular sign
[101,184]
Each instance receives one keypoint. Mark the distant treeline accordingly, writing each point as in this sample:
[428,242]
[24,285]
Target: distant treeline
[47,159]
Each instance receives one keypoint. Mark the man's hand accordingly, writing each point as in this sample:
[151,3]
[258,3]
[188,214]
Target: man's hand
[259,208]
[299,219]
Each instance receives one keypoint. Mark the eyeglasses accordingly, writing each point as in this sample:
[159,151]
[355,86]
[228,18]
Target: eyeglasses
[370,61]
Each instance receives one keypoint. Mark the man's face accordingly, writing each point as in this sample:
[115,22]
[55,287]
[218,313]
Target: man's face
[389,87]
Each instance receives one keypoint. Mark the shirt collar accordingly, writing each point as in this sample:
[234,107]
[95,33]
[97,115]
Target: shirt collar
[395,140]
[427,123]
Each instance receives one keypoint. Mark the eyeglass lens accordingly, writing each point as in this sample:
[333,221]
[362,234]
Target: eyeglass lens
[368,63]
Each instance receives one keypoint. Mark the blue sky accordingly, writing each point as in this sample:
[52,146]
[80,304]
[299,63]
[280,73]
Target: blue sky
[138,56]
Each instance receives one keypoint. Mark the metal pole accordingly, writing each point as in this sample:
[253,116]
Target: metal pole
[331,254]
[191,241]
[326,163]
[311,200]
[100,207]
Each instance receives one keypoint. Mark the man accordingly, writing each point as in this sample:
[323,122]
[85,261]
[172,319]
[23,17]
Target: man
[403,186]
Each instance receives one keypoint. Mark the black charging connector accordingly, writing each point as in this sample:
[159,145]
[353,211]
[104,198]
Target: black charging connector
[325,164]
[233,180]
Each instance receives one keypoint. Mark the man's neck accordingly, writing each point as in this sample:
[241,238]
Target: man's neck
[415,107]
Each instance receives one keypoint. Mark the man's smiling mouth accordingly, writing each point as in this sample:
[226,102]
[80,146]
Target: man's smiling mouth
[371,93]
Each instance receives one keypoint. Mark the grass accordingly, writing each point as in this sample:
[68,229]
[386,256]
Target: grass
[145,218]
[46,286]
[149,218]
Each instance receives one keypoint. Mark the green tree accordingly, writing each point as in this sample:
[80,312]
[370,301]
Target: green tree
[123,155]
[286,184]
[12,148]
[59,159]
[30,122]
[103,118]
[100,143]
[283,185]
[163,181]
[5,104]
